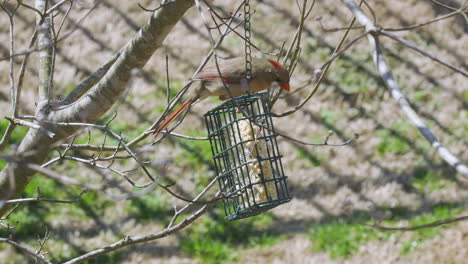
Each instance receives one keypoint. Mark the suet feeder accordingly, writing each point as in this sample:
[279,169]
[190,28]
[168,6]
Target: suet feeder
[246,156]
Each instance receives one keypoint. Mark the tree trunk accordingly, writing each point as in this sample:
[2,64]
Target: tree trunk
[35,146]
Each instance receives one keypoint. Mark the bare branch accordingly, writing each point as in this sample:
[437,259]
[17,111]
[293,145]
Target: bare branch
[22,72]
[49,45]
[6,136]
[92,147]
[45,44]
[395,91]
[38,12]
[325,142]
[322,73]
[56,176]
[143,238]
[12,47]
[56,6]
[90,81]
[92,161]
[424,53]
[437,19]
[295,46]
[415,228]
[443,5]
[334,29]
[234,30]
[32,253]
[100,98]
[43,240]
[152,10]
[179,95]
[196,199]
[7,215]
[38,199]
[20,122]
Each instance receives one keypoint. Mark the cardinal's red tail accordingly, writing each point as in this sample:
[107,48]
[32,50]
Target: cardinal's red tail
[173,116]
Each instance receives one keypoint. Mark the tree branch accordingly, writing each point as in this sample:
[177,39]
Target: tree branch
[96,102]
[91,80]
[44,38]
[395,91]
[38,199]
[29,251]
[143,238]
[422,52]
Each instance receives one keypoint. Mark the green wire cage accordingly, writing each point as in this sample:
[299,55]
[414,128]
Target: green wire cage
[246,156]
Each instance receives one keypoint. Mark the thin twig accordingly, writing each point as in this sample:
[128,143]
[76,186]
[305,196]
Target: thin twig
[42,240]
[56,6]
[12,63]
[29,251]
[426,54]
[395,91]
[180,94]
[437,19]
[168,84]
[56,176]
[325,142]
[335,29]
[197,198]
[20,122]
[152,10]
[143,238]
[322,75]
[49,45]
[295,47]
[443,5]
[38,199]
[39,13]
[6,136]
[235,31]
[22,72]
[415,228]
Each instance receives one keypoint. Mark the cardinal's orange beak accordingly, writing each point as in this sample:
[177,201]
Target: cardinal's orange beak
[285,86]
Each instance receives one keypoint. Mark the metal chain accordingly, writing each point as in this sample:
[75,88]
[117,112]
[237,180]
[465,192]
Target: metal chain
[247,34]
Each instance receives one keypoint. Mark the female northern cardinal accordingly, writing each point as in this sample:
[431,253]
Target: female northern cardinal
[264,73]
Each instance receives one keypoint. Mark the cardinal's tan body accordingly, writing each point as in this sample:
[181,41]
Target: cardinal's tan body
[233,71]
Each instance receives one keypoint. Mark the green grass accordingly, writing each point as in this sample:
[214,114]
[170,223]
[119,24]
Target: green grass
[465,96]
[393,140]
[194,152]
[30,217]
[150,207]
[353,74]
[427,180]
[342,238]
[420,96]
[330,116]
[2,164]
[440,212]
[389,143]
[197,155]
[465,124]
[15,138]
[216,240]
[314,159]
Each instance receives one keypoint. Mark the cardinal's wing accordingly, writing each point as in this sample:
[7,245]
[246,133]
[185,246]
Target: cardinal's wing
[232,71]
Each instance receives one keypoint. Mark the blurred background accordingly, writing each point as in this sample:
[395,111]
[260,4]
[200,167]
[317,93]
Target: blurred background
[391,172]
